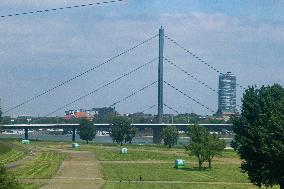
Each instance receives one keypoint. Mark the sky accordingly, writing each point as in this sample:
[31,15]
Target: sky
[39,51]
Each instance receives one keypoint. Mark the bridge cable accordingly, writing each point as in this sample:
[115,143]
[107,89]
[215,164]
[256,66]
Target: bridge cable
[198,58]
[193,77]
[149,108]
[101,87]
[80,74]
[132,94]
[58,9]
[171,108]
[188,96]
[190,75]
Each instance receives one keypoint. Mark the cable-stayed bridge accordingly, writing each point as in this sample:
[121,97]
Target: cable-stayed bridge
[160,83]
[105,126]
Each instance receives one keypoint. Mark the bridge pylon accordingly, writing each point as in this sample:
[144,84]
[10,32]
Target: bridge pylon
[157,131]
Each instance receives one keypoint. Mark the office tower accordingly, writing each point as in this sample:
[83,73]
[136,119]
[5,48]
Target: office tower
[227,94]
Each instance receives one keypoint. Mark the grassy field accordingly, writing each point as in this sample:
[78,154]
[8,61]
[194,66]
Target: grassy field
[10,153]
[113,154]
[144,185]
[156,166]
[167,172]
[154,163]
[44,166]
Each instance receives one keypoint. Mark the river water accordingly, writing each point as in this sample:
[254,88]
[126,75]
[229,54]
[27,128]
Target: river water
[98,139]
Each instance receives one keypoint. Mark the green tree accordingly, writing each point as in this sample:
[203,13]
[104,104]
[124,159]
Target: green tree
[203,145]
[7,180]
[121,130]
[170,135]
[259,135]
[197,145]
[214,147]
[130,134]
[87,130]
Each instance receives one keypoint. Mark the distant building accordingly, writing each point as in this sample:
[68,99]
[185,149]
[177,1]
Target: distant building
[103,111]
[82,115]
[88,114]
[70,114]
[24,117]
[227,94]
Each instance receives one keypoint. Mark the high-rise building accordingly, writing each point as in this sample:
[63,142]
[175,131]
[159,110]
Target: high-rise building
[227,94]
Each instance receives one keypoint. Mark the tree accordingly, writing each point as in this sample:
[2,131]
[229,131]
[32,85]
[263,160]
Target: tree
[214,147]
[170,135]
[259,135]
[197,146]
[7,180]
[87,130]
[121,130]
[130,134]
[203,145]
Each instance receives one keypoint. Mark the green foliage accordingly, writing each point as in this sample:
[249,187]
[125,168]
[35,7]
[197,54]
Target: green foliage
[259,135]
[214,147]
[7,180]
[186,118]
[86,130]
[197,145]
[203,145]
[170,135]
[121,130]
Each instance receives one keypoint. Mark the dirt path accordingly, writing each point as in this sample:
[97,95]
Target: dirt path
[79,170]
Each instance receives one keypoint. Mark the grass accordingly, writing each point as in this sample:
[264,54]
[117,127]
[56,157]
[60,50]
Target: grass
[141,153]
[132,185]
[42,167]
[160,173]
[113,154]
[145,153]
[31,186]
[229,154]
[11,156]
[167,172]
[10,153]
[4,148]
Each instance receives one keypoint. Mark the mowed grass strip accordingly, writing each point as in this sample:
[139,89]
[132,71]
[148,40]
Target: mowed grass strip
[167,172]
[11,156]
[136,152]
[113,154]
[10,153]
[132,185]
[42,167]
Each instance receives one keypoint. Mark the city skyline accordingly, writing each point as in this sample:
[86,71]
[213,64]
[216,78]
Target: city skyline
[39,51]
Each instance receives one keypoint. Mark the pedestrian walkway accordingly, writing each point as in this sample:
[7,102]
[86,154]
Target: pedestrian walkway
[79,170]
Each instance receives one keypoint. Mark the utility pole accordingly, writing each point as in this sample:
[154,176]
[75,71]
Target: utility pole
[157,131]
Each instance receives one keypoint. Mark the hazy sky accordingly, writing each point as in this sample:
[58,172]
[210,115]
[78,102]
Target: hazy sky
[39,51]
